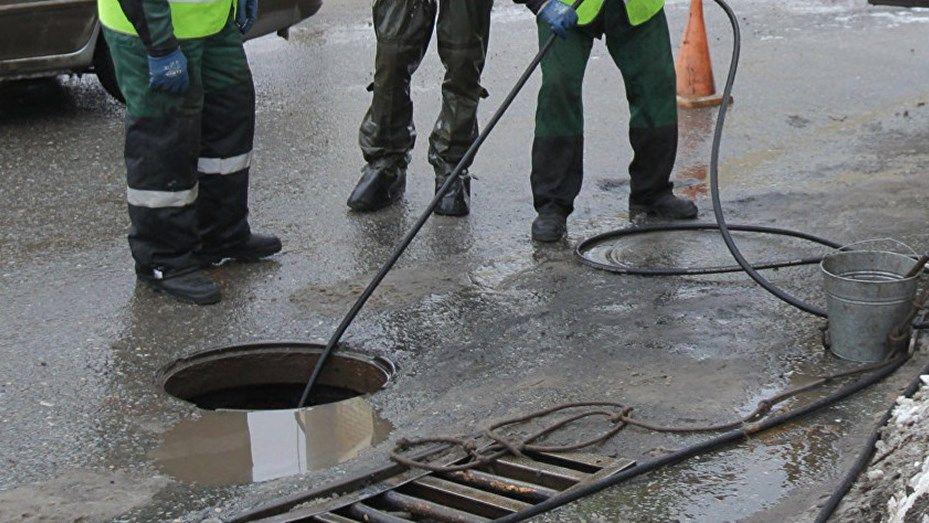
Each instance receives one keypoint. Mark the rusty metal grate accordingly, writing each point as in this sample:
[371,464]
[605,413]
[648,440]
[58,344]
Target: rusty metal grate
[482,494]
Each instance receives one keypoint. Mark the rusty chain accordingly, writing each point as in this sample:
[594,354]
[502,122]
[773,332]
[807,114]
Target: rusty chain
[619,415]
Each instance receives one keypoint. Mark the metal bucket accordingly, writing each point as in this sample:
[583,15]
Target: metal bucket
[867,295]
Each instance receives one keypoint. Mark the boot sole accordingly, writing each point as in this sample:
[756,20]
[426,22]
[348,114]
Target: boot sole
[361,208]
[251,257]
[206,300]
[541,238]
[547,239]
[640,214]
[455,212]
[394,195]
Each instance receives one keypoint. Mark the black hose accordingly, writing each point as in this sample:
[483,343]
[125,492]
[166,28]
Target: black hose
[585,245]
[714,178]
[714,443]
[864,458]
[401,248]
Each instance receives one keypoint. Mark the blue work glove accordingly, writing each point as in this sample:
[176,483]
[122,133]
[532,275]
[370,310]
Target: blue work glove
[245,15]
[560,17]
[169,72]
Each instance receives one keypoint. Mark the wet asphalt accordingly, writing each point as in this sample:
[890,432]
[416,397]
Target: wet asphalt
[828,134]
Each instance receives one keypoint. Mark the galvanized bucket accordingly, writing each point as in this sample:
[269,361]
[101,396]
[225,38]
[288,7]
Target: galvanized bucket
[867,295]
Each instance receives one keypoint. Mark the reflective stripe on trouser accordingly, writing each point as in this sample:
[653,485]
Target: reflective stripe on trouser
[643,55]
[404,29]
[187,157]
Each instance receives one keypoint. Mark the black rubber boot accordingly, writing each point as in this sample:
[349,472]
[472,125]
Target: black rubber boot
[457,200]
[666,207]
[256,247]
[378,188]
[191,286]
[549,227]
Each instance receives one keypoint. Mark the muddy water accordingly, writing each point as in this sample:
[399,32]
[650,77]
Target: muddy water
[234,447]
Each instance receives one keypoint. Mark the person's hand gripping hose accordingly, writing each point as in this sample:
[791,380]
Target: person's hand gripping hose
[560,17]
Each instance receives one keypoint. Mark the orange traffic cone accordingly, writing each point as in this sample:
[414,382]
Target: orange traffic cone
[695,85]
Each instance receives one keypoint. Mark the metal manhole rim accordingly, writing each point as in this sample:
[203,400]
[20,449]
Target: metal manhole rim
[219,353]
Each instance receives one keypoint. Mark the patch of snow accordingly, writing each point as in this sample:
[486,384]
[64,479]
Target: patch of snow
[909,412]
[898,509]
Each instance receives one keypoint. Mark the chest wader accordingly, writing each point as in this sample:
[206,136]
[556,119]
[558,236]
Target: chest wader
[188,156]
[404,29]
[643,54]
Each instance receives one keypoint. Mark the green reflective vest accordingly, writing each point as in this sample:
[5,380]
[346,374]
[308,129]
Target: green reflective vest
[190,18]
[639,11]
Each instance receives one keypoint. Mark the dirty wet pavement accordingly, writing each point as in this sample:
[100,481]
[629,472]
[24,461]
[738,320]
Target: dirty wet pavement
[827,135]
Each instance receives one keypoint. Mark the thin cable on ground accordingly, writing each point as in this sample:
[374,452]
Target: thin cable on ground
[618,414]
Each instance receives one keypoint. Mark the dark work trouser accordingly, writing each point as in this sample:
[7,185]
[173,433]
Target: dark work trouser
[643,55]
[404,28]
[187,157]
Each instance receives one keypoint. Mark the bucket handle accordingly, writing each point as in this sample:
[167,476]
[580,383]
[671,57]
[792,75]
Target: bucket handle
[878,240]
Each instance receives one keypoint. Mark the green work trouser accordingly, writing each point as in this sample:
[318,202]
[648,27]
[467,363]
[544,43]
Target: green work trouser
[643,55]
[404,28]
[187,156]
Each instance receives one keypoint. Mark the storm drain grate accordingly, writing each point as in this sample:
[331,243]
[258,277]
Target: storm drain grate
[482,494]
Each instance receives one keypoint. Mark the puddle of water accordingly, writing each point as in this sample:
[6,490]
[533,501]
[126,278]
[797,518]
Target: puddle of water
[236,447]
[697,249]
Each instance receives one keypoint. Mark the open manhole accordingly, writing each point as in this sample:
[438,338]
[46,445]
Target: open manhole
[271,376]
[252,392]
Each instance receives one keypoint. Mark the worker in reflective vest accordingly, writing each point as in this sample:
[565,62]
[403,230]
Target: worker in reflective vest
[190,121]
[636,33]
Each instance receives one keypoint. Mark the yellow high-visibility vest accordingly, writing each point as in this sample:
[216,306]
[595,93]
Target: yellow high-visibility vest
[190,18]
[639,11]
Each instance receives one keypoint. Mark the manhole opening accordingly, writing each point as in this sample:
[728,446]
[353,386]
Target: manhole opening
[271,376]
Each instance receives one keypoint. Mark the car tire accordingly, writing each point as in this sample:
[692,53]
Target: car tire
[106,73]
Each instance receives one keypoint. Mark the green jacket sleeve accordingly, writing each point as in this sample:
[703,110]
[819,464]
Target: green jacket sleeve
[152,21]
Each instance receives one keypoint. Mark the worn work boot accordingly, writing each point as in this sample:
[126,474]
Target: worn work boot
[549,226]
[457,200]
[256,247]
[378,187]
[191,286]
[666,207]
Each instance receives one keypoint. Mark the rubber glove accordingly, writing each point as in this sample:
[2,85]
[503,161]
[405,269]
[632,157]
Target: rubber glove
[560,17]
[169,72]
[245,15]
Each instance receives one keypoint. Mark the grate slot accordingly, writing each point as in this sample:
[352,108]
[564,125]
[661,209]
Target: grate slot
[463,497]
[584,463]
[506,486]
[551,476]
[370,514]
[329,517]
[422,508]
